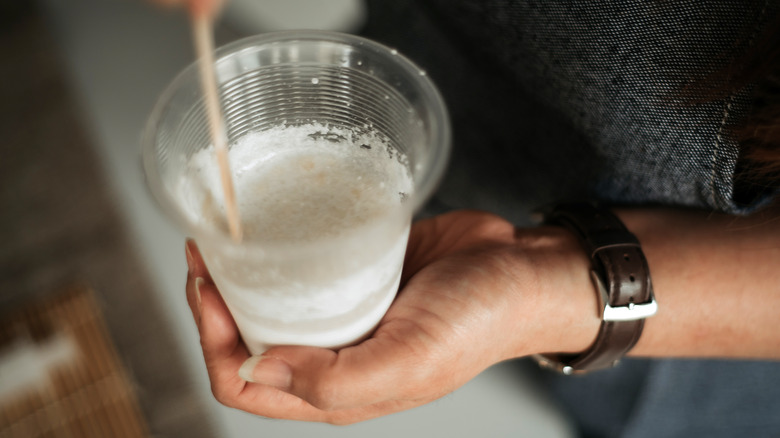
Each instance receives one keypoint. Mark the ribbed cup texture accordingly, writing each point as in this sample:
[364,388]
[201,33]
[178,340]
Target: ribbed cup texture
[290,79]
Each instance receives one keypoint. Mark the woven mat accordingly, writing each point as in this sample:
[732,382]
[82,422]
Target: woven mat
[61,373]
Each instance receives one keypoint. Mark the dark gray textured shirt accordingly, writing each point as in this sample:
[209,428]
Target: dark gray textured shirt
[556,100]
[582,99]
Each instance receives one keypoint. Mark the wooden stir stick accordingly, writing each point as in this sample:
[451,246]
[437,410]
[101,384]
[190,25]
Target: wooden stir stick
[202,23]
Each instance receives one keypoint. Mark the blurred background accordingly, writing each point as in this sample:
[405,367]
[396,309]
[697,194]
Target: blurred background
[96,339]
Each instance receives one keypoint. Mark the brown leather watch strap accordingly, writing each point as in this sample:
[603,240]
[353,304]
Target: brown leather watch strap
[622,277]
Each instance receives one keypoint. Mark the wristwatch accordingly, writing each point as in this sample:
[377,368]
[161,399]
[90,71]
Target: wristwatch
[622,279]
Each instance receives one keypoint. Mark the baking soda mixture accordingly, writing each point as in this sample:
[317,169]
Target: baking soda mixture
[297,186]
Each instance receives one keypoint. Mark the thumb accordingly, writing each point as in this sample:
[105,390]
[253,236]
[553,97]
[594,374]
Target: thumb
[379,369]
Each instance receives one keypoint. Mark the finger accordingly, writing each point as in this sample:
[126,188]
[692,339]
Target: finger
[219,328]
[421,240]
[273,403]
[380,369]
[430,238]
[223,349]
[208,8]
[195,264]
[224,352]
[194,297]
[196,272]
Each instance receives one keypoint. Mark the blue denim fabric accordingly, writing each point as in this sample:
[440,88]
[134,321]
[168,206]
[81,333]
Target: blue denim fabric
[673,399]
[555,100]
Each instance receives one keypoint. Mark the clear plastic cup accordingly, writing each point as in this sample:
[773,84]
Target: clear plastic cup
[329,291]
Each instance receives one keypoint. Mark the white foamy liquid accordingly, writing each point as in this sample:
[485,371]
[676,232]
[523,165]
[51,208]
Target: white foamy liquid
[329,191]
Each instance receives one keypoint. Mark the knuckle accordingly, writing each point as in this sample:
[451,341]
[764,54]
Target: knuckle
[488,225]
[220,394]
[324,395]
[340,419]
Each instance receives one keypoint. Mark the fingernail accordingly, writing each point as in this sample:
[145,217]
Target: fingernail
[190,260]
[199,282]
[267,371]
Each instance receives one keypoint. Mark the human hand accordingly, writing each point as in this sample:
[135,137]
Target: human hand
[475,292]
[196,7]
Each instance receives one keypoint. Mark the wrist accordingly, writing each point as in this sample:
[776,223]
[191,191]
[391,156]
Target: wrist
[566,305]
[622,278]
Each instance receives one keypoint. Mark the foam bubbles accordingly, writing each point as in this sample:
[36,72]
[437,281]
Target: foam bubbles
[301,183]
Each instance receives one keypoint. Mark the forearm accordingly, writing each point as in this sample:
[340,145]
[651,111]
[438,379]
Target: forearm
[717,282]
